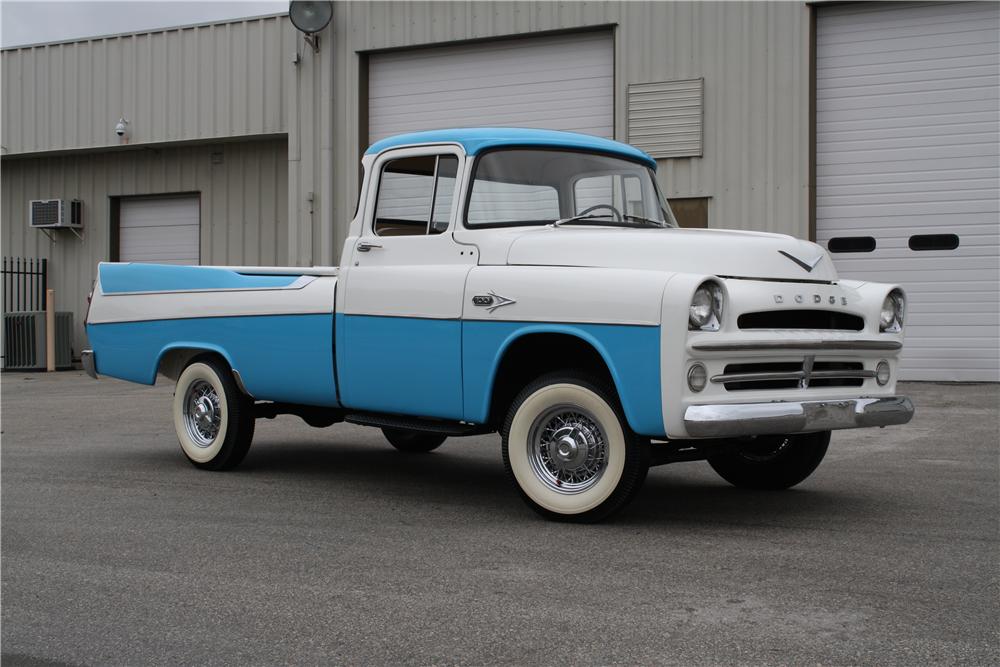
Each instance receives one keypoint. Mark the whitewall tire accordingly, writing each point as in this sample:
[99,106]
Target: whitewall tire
[213,419]
[569,450]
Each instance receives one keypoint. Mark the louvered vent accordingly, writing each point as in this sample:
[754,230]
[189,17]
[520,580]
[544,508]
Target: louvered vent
[665,117]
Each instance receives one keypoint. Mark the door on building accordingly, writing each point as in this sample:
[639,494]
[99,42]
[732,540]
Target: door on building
[160,230]
[560,82]
[908,170]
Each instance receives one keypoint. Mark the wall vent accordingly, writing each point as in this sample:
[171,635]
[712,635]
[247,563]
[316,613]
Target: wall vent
[665,117]
[24,341]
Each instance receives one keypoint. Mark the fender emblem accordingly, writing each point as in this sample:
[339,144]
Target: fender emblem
[808,266]
[492,301]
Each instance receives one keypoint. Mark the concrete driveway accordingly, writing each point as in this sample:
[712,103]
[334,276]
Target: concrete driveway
[329,547]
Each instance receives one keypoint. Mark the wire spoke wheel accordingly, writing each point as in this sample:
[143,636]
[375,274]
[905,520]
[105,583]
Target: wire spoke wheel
[202,413]
[570,451]
[567,449]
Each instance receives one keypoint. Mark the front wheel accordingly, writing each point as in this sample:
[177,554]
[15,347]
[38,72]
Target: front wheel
[569,450]
[773,462]
[213,419]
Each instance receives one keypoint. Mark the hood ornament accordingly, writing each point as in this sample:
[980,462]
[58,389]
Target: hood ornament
[808,266]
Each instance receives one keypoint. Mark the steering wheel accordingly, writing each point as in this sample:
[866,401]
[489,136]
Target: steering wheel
[616,212]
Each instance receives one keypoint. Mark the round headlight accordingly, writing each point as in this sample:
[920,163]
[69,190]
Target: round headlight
[697,377]
[701,308]
[891,316]
[705,312]
[888,314]
[882,373]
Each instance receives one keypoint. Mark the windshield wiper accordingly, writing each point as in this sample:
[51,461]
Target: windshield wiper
[578,218]
[649,222]
[609,219]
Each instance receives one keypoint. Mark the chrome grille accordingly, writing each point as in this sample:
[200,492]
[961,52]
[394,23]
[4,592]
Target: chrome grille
[793,375]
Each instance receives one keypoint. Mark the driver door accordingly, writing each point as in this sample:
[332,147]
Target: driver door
[399,349]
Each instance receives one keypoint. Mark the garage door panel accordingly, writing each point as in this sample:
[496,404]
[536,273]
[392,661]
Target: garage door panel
[907,144]
[562,82]
[967,136]
[859,117]
[165,230]
[885,170]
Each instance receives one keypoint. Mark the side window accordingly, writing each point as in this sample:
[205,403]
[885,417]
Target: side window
[414,195]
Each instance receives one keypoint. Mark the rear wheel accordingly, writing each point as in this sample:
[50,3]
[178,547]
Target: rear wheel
[413,441]
[213,418]
[773,462]
[569,450]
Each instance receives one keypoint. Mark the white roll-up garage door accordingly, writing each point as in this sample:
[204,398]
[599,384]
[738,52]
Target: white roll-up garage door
[563,82]
[163,230]
[908,170]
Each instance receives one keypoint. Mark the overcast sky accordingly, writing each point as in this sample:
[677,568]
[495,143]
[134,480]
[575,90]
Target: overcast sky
[42,21]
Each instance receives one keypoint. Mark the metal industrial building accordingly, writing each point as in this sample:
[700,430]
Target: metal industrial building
[872,128]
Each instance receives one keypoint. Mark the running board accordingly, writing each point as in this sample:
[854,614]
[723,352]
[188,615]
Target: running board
[448,428]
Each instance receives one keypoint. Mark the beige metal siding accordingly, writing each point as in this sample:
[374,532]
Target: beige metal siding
[202,82]
[664,117]
[243,206]
[752,56]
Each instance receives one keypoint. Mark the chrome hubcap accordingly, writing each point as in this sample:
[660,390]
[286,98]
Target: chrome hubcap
[202,413]
[567,449]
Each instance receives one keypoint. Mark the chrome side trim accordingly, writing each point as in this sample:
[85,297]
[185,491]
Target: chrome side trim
[788,417]
[799,345]
[297,284]
[89,365]
[793,375]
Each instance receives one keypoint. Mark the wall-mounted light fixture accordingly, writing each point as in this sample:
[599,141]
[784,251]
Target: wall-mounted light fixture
[310,18]
[121,129]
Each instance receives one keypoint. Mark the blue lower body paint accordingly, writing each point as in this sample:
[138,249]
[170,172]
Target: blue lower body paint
[631,352]
[286,358]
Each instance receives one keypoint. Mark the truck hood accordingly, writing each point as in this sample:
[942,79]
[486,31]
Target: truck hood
[710,251]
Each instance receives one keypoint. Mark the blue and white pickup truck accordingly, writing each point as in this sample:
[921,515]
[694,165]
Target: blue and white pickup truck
[531,283]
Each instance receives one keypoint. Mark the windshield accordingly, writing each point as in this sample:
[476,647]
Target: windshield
[539,187]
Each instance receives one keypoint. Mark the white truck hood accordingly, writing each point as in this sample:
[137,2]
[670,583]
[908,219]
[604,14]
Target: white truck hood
[710,251]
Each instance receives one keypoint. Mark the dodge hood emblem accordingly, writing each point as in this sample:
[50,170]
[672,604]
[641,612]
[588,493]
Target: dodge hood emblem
[808,266]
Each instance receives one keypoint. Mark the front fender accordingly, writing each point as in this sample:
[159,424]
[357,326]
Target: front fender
[631,353]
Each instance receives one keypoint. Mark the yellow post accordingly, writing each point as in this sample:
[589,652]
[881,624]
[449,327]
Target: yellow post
[50,330]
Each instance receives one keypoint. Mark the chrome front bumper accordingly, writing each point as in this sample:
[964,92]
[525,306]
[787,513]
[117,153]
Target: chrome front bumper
[785,417]
[89,365]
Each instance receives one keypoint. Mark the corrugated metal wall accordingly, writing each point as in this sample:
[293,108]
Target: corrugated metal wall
[238,79]
[753,57]
[244,206]
[202,82]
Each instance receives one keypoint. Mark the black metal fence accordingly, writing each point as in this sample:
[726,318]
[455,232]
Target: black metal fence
[25,280]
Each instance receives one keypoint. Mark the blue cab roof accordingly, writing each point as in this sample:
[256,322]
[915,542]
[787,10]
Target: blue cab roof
[478,139]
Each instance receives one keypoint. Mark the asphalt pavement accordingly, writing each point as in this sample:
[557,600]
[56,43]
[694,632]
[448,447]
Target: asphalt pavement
[329,547]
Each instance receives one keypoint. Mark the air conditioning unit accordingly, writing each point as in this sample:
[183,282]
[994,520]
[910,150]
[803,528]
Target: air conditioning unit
[24,341]
[55,214]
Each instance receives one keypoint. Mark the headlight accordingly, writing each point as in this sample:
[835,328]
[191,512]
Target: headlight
[890,320]
[705,312]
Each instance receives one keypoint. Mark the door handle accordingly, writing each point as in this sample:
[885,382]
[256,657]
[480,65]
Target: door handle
[365,246]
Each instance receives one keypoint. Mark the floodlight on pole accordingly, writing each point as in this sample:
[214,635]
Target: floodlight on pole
[310,18]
